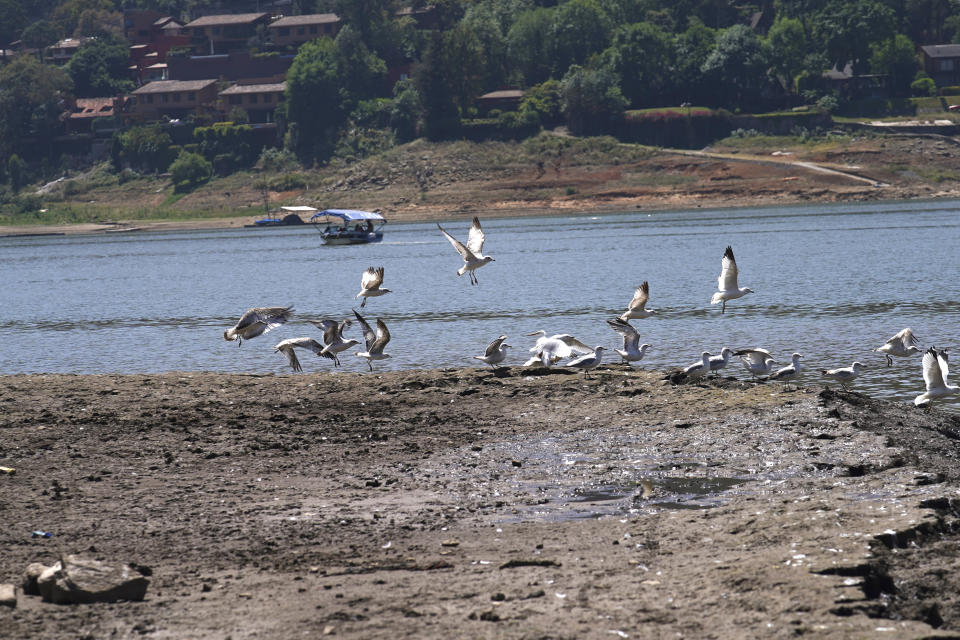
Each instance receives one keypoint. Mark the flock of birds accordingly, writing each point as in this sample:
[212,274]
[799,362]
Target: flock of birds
[551,350]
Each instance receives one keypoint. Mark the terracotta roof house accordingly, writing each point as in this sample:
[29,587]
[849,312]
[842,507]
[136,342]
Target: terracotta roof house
[174,99]
[292,31]
[84,111]
[224,33]
[258,100]
[942,63]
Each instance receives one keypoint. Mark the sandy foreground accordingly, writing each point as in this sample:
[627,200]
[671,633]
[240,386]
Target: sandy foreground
[521,503]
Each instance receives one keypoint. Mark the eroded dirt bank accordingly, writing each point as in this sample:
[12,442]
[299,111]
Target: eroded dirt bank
[469,503]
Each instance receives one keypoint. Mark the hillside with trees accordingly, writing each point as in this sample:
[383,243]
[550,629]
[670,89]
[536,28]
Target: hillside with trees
[395,71]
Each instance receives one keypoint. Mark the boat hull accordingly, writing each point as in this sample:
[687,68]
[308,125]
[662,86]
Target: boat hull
[353,237]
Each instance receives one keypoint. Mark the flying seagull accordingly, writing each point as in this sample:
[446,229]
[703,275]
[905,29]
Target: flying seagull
[588,361]
[788,372]
[727,282]
[901,345]
[257,321]
[935,372]
[287,346]
[844,375]
[632,350]
[496,352]
[472,253]
[637,307]
[370,285]
[550,350]
[375,341]
[758,362]
[333,339]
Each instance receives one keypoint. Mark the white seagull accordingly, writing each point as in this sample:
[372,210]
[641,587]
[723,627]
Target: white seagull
[632,351]
[901,345]
[697,370]
[637,307]
[550,350]
[727,282]
[758,362]
[788,372]
[496,352]
[333,340]
[587,362]
[286,348]
[472,253]
[257,321]
[721,361]
[935,370]
[370,285]
[844,375]
[375,341]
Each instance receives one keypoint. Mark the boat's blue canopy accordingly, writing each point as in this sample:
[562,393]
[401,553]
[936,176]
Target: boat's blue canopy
[349,215]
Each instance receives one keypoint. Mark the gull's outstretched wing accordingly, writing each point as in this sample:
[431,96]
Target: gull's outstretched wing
[475,238]
[272,317]
[465,253]
[494,347]
[369,336]
[640,297]
[573,343]
[383,337]
[905,338]
[372,278]
[728,271]
[932,373]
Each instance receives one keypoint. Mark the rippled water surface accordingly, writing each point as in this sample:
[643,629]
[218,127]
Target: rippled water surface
[831,281]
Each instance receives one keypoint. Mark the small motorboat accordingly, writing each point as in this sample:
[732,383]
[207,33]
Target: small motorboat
[349,226]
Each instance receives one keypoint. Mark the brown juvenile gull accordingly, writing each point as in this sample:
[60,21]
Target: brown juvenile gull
[287,346]
[472,253]
[257,321]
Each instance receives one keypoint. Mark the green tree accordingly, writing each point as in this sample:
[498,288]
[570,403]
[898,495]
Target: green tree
[67,14]
[482,21]
[736,68]
[39,35]
[546,100]
[641,55]
[463,62]
[441,115]
[787,47]
[31,101]
[897,59]
[529,42]
[189,170]
[16,171]
[691,50]
[14,20]
[592,101]
[406,110]
[314,103]
[98,23]
[580,29]
[99,68]
[362,72]
[145,148]
[846,30]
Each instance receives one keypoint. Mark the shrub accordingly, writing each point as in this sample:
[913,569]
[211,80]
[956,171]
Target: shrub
[288,182]
[923,86]
[189,170]
[828,104]
[273,159]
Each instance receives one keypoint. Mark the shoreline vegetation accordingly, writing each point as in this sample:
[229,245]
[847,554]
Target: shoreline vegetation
[469,502]
[548,175]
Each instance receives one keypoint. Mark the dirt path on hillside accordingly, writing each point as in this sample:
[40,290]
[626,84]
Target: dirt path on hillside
[523,503]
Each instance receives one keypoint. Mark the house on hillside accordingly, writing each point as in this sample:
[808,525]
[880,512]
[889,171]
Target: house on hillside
[224,33]
[61,52]
[258,100]
[942,63]
[292,31]
[173,99]
[84,113]
[236,66]
[503,99]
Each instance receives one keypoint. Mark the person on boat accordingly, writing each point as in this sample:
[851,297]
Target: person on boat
[369,226]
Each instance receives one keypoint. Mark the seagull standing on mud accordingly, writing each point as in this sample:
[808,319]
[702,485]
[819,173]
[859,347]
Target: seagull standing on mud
[935,370]
[376,341]
[632,350]
[496,352]
[637,307]
[697,370]
[758,362]
[287,346]
[844,375]
[727,286]
[333,339]
[550,350]
[789,372]
[587,362]
[370,285]
[257,321]
[902,345]
[721,361]
[472,253]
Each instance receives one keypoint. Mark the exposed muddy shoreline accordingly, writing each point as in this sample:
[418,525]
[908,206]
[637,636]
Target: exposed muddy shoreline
[469,503]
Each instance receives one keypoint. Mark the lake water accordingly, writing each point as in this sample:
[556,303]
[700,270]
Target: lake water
[832,282]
